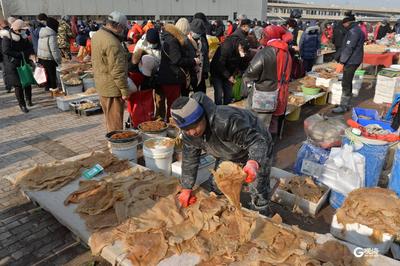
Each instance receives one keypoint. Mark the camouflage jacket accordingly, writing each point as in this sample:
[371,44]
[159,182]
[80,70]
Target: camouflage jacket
[64,35]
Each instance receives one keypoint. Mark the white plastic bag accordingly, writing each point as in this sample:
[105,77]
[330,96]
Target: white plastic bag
[131,86]
[344,170]
[40,75]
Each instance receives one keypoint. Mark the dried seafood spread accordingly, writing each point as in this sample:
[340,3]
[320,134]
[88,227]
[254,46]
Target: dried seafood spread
[124,135]
[157,228]
[153,126]
[90,91]
[305,188]
[377,208]
[54,176]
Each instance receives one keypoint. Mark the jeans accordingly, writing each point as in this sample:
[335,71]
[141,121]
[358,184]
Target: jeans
[222,90]
[347,85]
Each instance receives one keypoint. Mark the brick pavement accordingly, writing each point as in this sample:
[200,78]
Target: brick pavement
[28,234]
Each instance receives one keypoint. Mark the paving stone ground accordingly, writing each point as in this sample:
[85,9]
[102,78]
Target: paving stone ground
[28,234]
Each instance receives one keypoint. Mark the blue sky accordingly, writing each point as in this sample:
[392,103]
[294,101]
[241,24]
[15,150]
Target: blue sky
[358,3]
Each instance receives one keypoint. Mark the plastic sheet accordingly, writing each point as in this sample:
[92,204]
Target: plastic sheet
[344,171]
[394,182]
[374,159]
[323,131]
[310,160]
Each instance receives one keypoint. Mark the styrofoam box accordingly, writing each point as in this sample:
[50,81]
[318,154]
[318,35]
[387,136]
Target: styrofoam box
[388,81]
[324,82]
[63,103]
[207,163]
[336,88]
[290,200]
[359,235]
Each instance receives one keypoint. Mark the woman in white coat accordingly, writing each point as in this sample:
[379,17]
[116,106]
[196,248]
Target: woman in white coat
[48,52]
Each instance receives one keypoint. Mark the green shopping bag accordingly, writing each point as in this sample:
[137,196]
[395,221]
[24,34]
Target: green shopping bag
[236,89]
[25,74]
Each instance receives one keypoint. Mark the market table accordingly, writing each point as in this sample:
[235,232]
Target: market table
[53,202]
[385,59]
[320,57]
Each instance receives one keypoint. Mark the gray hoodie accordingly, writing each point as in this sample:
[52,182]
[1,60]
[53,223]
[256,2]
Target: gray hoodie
[47,47]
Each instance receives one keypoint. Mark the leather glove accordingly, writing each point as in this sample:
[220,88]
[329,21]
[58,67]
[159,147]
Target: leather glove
[251,169]
[339,68]
[186,198]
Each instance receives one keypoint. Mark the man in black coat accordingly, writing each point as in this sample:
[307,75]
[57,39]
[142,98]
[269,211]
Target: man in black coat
[228,134]
[351,57]
[231,57]
[339,32]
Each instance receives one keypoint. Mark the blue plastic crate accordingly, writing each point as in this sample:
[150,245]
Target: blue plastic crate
[373,114]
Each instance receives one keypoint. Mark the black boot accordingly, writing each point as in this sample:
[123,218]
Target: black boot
[29,102]
[24,109]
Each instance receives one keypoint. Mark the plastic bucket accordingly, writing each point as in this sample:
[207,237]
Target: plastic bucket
[321,100]
[125,151]
[158,153]
[336,199]
[294,116]
[149,135]
[374,152]
[394,181]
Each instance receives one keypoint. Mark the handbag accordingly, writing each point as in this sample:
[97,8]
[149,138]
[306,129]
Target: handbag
[188,79]
[237,88]
[267,101]
[25,73]
[40,75]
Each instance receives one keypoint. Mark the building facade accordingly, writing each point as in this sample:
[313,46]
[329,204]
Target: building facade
[140,9]
[278,9]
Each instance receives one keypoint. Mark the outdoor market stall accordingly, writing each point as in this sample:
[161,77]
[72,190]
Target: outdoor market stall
[117,252]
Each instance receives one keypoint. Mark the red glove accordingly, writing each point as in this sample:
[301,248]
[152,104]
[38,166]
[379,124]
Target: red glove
[251,169]
[339,68]
[186,198]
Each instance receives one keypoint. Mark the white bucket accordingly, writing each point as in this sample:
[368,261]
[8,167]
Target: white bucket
[148,135]
[158,153]
[125,151]
[88,83]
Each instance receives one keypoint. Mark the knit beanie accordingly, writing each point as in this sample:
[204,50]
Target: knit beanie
[186,112]
[183,25]
[152,36]
[197,26]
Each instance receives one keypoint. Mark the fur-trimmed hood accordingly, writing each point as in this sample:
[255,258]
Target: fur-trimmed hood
[6,34]
[176,33]
[312,28]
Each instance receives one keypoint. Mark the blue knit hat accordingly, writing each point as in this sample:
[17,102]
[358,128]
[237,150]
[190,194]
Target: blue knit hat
[186,112]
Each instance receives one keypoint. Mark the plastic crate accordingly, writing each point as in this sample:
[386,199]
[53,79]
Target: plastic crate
[374,118]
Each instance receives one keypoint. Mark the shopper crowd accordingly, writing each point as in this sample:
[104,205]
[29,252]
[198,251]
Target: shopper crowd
[175,59]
